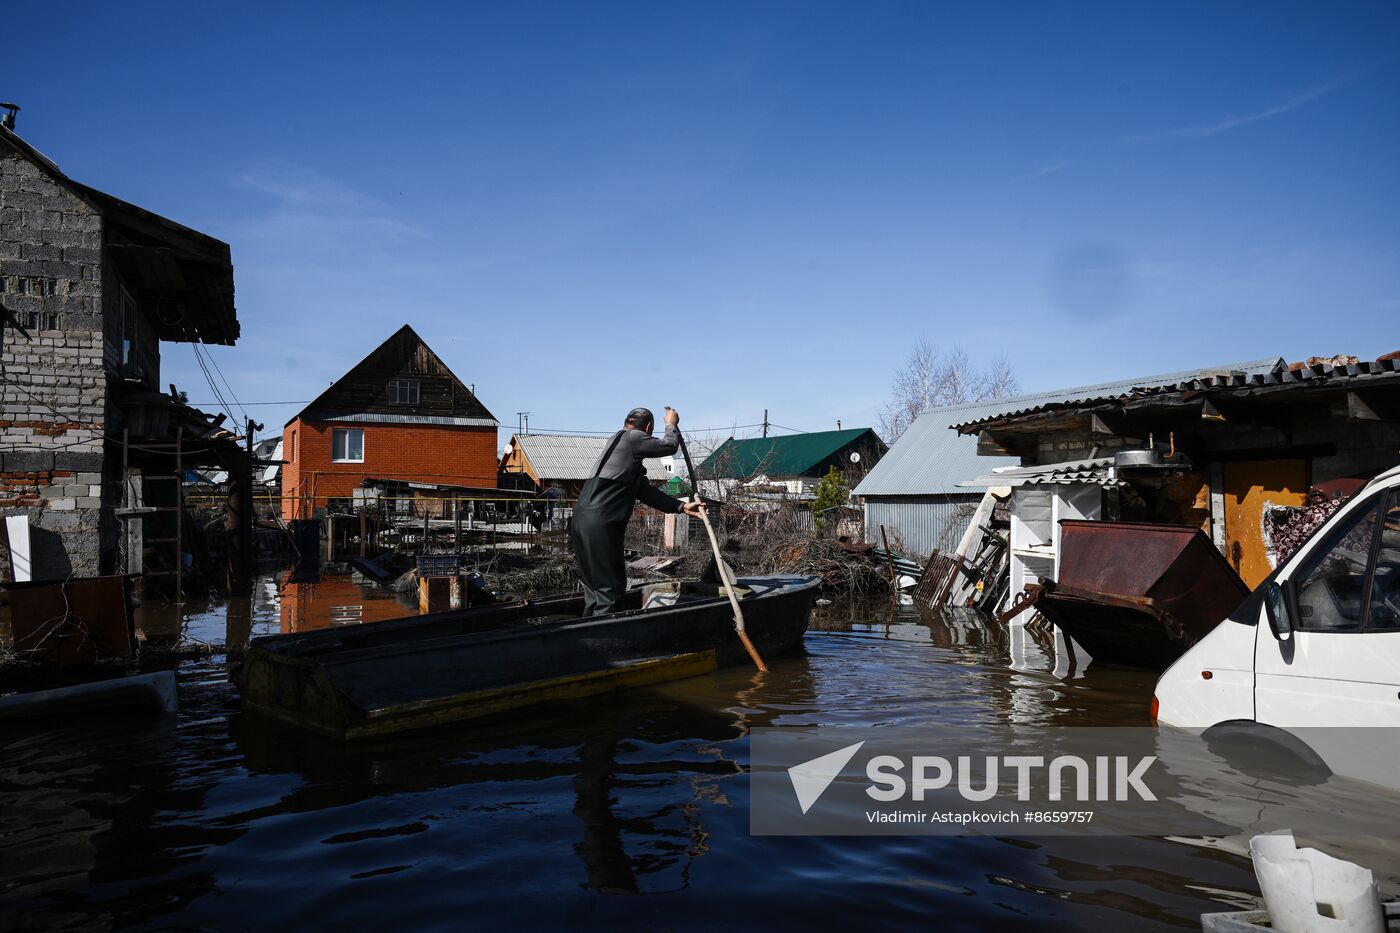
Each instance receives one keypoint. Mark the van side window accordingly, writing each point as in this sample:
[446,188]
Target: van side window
[1332,584]
[1385,584]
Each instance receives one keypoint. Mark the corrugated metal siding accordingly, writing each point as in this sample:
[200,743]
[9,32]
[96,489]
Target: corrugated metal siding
[921,521]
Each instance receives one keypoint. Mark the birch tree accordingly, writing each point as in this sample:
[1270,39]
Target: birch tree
[932,378]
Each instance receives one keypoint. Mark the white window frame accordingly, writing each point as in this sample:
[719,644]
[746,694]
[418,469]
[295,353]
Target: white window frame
[405,387]
[336,435]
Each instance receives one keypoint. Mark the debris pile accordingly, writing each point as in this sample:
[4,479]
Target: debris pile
[531,576]
[839,568]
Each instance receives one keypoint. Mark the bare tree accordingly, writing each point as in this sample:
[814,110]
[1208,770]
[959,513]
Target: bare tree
[931,378]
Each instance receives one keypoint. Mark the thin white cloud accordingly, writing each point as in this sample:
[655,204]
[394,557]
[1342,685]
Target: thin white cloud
[1233,121]
[303,202]
[1047,169]
[1288,104]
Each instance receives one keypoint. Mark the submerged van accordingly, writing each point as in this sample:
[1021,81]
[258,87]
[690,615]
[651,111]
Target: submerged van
[1316,644]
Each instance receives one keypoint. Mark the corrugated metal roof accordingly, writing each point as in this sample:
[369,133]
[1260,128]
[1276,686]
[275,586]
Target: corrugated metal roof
[1070,471]
[1297,375]
[931,458]
[572,457]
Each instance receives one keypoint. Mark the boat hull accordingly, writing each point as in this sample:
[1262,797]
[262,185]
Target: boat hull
[433,670]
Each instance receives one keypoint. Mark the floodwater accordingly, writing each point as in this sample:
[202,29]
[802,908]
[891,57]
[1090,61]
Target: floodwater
[625,811]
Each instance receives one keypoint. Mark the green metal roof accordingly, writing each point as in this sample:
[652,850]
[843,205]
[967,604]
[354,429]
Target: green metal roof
[789,455]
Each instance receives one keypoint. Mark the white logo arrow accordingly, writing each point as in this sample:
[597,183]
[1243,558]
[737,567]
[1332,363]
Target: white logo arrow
[811,778]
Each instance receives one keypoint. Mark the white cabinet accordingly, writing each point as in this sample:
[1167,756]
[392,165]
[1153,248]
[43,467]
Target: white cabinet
[1036,513]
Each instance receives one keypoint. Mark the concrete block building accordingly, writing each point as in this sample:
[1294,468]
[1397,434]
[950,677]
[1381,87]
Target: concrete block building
[89,286]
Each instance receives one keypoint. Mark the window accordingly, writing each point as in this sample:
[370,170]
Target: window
[130,320]
[1385,582]
[1332,585]
[291,456]
[403,391]
[347,445]
[41,320]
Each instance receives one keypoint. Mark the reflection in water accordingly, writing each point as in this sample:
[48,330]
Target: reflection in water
[332,601]
[551,815]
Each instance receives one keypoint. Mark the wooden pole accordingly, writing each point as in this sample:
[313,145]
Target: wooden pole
[889,559]
[719,565]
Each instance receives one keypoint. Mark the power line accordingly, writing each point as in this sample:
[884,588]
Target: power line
[533,429]
[74,418]
[222,403]
[303,401]
[227,385]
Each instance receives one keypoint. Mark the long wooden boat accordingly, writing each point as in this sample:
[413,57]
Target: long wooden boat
[389,677]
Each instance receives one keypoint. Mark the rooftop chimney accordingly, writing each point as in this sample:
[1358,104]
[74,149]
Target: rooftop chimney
[8,120]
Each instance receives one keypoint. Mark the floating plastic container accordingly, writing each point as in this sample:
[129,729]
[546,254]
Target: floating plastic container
[1308,891]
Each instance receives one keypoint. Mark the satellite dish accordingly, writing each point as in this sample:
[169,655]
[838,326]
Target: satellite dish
[855,456]
[505,451]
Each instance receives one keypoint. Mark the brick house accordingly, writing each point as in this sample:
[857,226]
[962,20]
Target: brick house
[90,285]
[399,418]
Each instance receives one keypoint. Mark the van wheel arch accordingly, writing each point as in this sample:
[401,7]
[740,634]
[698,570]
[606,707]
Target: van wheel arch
[1256,747]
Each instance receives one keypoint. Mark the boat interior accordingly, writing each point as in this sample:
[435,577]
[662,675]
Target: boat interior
[505,616]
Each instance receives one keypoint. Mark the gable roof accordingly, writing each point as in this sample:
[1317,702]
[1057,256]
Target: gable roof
[360,394]
[570,457]
[188,272]
[788,455]
[933,459]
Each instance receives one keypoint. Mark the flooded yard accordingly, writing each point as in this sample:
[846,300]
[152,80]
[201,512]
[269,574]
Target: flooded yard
[624,811]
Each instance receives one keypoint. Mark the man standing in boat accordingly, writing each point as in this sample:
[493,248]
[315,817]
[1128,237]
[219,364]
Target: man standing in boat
[618,481]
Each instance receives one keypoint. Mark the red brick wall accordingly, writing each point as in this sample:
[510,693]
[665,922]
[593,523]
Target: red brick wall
[450,455]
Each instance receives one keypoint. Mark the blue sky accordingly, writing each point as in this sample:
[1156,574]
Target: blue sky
[732,207]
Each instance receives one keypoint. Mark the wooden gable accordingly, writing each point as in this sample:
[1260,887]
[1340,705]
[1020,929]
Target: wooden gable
[364,390]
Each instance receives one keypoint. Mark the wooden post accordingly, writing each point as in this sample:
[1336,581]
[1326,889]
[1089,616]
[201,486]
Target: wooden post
[364,527]
[434,594]
[889,559]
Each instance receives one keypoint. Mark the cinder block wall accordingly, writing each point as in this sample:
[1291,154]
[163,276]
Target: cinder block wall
[53,406]
[453,455]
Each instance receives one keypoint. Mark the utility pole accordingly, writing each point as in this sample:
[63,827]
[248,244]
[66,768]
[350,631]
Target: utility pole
[240,535]
[765,422]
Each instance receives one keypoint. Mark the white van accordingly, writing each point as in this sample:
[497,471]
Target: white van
[1316,644]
